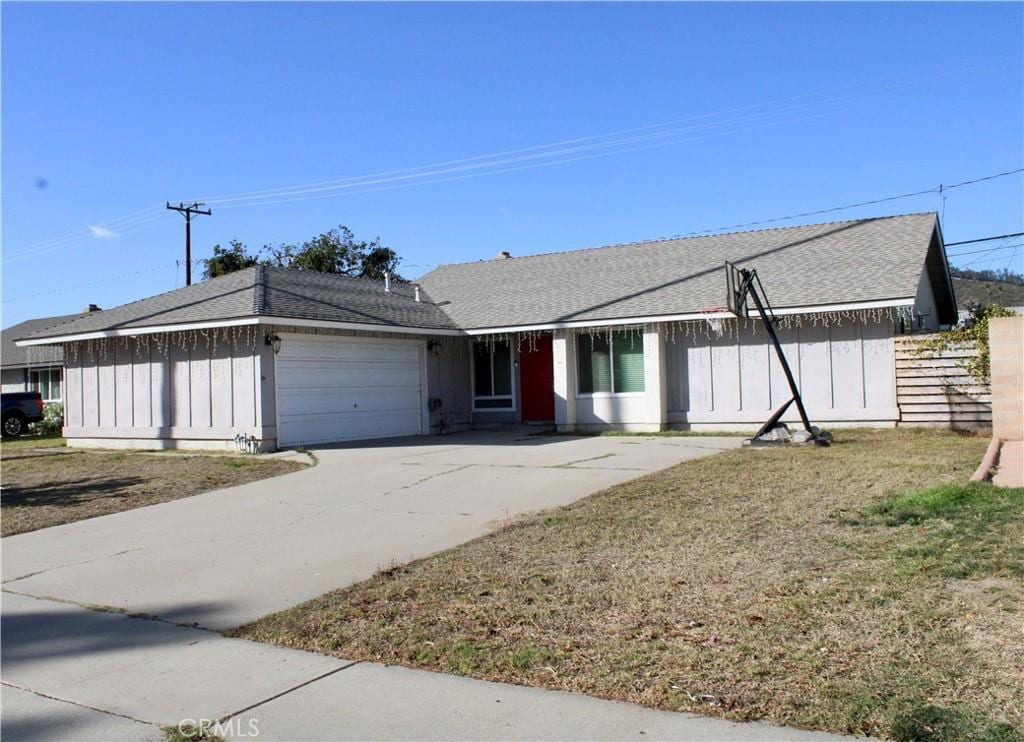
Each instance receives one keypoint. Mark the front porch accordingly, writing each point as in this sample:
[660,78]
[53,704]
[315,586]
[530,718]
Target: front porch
[575,381]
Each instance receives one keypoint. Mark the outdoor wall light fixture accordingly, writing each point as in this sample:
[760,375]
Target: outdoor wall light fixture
[434,347]
[274,341]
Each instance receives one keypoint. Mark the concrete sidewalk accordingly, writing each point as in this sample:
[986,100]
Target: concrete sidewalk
[70,673]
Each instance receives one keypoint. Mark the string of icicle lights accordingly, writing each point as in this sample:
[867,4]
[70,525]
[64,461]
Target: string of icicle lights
[246,338]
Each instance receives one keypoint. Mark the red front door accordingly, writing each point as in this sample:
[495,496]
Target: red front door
[537,375]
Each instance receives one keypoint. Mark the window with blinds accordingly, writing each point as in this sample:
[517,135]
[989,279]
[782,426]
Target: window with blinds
[610,363]
[628,362]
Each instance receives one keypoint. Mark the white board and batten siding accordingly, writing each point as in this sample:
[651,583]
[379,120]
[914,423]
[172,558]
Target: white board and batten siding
[335,388]
[134,396]
[845,372]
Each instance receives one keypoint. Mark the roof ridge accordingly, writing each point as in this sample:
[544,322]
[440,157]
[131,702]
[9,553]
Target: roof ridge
[329,276]
[682,238]
[259,286]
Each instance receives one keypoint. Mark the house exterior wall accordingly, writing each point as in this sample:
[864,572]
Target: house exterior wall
[448,375]
[134,395]
[845,372]
[13,380]
[639,411]
[924,305]
[201,396]
[17,380]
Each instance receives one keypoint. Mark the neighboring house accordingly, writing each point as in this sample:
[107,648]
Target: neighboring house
[34,369]
[628,336]
[970,291]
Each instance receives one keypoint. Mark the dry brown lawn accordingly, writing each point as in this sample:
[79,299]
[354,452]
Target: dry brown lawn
[793,585]
[47,486]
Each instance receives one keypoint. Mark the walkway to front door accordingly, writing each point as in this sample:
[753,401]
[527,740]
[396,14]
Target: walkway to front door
[537,375]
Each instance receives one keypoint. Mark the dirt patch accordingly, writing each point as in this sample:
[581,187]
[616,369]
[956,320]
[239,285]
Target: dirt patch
[755,584]
[47,487]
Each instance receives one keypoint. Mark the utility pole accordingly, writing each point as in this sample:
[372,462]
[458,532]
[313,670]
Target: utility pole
[188,211]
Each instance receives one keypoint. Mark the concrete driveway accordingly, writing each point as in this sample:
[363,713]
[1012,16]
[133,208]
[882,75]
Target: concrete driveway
[75,670]
[223,558]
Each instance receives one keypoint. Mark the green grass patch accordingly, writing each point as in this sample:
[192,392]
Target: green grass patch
[928,723]
[25,442]
[956,530]
[975,505]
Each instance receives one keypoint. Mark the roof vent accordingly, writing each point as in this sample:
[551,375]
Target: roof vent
[503,255]
[416,291]
[387,282]
[91,308]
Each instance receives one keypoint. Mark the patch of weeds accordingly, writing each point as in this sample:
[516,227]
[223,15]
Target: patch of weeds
[528,658]
[191,733]
[464,658]
[427,655]
[240,463]
[927,723]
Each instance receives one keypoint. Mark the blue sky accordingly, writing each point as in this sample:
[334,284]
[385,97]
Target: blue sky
[717,114]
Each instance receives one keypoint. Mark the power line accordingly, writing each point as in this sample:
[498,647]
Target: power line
[611,141]
[872,202]
[991,249]
[992,258]
[587,143]
[107,279]
[985,239]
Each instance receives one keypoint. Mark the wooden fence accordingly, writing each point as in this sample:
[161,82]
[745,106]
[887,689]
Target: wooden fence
[934,389]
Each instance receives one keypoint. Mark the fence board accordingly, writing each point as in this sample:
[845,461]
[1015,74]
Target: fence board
[935,390]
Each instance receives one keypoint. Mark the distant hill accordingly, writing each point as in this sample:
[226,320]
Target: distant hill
[970,291]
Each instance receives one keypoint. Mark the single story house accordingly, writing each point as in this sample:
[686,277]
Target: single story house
[37,368]
[630,336]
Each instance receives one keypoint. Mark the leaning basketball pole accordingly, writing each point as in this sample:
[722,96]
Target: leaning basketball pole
[743,283]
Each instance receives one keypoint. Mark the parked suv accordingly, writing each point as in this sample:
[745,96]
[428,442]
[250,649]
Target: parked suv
[20,409]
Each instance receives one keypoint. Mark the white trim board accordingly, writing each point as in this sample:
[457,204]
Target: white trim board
[395,329]
[239,322]
[691,316]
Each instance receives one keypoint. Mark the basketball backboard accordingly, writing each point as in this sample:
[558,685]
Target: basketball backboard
[735,290]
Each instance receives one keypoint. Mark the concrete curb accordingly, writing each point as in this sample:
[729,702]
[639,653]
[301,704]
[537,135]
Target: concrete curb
[988,462]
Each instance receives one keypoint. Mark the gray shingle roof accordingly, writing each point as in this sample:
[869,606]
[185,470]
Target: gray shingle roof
[839,262]
[264,291]
[821,264]
[11,356]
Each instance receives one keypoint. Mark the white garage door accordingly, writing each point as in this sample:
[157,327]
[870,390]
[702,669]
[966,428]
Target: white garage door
[344,389]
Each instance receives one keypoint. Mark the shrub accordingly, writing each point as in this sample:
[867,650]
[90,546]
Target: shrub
[53,419]
[973,331]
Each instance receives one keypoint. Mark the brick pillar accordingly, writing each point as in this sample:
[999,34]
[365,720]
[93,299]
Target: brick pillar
[1006,346]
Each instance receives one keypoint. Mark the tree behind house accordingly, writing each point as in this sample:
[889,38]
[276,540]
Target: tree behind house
[228,260]
[336,251]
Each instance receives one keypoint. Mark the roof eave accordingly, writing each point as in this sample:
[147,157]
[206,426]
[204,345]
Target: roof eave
[905,301]
[236,322]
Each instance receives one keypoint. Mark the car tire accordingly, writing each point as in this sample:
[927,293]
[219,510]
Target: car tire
[13,425]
